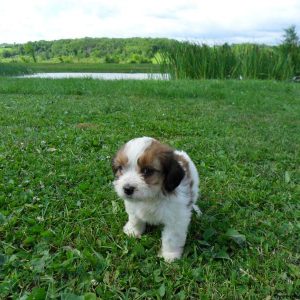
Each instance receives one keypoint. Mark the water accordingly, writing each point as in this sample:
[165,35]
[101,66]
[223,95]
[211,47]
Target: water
[103,76]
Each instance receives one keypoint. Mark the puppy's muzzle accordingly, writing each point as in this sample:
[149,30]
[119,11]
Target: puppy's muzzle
[128,189]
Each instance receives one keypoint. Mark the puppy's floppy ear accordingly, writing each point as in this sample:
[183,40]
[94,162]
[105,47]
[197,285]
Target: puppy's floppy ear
[173,172]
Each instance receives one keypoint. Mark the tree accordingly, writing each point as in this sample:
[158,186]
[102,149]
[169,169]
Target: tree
[29,49]
[291,47]
[290,36]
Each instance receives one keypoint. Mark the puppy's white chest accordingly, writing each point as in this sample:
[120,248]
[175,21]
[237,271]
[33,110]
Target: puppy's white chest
[150,213]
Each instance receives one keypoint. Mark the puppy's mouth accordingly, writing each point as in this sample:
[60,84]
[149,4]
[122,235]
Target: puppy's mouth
[132,197]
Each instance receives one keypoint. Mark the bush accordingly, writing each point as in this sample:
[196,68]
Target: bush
[111,59]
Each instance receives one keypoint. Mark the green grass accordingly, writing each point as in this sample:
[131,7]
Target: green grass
[14,69]
[93,67]
[184,60]
[61,222]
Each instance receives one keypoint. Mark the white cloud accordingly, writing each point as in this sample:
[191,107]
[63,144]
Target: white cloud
[207,21]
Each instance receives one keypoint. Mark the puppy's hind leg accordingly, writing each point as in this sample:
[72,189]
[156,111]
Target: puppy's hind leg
[173,241]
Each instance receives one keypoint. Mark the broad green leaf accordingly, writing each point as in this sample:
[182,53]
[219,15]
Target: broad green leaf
[70,296]
[222,254]
[37,294]
[233,234]
[287,177]
[90,296]
[162,290]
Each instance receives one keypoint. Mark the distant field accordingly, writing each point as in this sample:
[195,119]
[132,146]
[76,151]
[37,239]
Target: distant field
[61,222]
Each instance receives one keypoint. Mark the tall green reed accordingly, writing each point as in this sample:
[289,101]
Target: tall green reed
[7,69]
[184,60]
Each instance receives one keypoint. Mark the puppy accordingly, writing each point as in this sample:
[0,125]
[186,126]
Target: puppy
[159,185]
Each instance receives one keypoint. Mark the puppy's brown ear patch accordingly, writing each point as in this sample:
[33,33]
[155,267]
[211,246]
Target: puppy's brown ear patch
[119,161]
[173,171]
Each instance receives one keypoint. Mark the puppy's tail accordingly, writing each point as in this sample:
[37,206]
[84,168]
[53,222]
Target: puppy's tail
[197,210]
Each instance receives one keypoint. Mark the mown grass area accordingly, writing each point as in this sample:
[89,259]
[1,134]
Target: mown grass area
[93,67]
[61,222]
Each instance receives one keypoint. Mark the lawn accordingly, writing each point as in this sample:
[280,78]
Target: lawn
[61,222]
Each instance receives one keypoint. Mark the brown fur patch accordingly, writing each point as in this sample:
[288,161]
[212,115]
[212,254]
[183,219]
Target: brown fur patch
[153,154]
[166,170]
[120,160]
[152,158]
[184,163]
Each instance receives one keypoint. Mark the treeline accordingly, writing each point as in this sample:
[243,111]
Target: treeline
[94,50]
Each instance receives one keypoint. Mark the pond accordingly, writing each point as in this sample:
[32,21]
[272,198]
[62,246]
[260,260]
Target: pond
[105,76]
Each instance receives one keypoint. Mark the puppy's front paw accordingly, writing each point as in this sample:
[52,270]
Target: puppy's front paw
[133,231]
[170,256]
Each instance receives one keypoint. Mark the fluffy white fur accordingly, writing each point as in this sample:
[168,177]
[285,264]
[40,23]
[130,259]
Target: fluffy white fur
[151,204]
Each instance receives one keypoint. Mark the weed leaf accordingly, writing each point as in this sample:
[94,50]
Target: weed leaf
[162,290]
[234,235]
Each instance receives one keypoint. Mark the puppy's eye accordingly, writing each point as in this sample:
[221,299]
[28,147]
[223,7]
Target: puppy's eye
[147,171]
[118,170]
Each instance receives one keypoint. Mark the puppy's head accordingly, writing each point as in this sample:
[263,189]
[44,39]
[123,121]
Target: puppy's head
[144,168]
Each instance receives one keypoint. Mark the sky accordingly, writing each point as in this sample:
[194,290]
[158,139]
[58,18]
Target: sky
[205,21]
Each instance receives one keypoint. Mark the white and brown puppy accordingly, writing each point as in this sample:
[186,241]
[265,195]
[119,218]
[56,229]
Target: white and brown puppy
[159,185]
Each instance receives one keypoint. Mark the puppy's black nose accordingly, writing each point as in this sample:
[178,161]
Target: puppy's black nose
[128,189]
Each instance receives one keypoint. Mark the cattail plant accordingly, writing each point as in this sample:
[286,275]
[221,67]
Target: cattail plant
[185,60]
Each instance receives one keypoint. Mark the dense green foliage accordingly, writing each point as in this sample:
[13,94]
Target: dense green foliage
[61,222]
[185,60]
[101,50]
